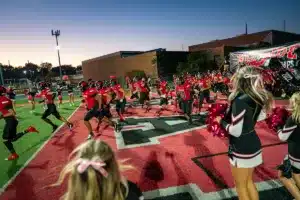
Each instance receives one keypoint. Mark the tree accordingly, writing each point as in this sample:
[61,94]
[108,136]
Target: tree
[182,67]
[79,68]
[65,69]
[154,61]
[46,65]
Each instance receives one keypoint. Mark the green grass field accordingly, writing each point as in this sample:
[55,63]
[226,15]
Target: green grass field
[28,144]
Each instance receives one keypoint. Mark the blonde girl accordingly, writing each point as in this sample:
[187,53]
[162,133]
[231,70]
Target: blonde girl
[94,174]
[289,171]
[247,100]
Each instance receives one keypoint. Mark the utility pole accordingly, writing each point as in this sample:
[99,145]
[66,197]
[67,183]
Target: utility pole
[246,31]
[57,34]
[8,63]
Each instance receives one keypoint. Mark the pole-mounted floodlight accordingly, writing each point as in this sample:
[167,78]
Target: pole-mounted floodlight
[57,34]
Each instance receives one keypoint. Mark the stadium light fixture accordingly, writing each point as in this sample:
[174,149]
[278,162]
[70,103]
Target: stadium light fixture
[57,34]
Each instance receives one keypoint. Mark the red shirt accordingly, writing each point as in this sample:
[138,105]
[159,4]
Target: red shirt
[135,86]
[117,90]
[47,95]
[103,93]
[5,105]
[163,88]
[142,86]
[173,93]
[219,78]
[89,96]
[204,83]
[184,91]
[226,80]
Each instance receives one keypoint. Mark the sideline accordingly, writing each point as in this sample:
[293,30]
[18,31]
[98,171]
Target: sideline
[2,190]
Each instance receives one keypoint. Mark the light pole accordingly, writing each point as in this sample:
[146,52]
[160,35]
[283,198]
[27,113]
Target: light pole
[57,34]
[1,74]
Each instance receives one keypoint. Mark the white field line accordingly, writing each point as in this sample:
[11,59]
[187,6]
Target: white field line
[34,155]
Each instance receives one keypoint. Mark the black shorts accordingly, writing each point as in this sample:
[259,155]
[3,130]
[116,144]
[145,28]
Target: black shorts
[144,96]
[120,105]
[295,170]
[51,110]
[205,94]
[10,128]
[134,96]
[163,101]
[105,112]
[91,113]
[186,106]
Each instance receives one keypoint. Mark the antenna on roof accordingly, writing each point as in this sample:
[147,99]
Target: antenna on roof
[284,25]
[246,28]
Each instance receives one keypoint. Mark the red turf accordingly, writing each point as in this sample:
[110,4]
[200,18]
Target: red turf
[157,166]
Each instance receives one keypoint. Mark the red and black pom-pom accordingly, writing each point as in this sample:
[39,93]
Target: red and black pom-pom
[216,110]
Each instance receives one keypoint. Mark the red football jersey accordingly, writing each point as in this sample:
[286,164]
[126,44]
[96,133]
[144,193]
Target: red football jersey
[5,105]
[89,96]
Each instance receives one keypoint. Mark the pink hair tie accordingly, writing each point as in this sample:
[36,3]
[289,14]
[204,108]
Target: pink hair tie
[83,164]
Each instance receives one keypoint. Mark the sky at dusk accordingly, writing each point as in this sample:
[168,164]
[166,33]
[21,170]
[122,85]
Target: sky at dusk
[93,28]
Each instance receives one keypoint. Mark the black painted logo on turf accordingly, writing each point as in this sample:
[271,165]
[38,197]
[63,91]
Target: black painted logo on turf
[146,131]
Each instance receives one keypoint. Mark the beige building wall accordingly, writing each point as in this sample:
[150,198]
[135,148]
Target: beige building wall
[103,67]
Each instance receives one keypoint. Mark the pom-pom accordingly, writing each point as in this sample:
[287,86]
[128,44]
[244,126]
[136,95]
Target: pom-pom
[277,118]
[216,110]
[65,78]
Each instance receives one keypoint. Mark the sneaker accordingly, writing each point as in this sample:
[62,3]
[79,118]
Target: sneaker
[31,129]
[70,125]
[13,156]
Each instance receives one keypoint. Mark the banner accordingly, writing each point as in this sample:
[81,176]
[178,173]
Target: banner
[284,60]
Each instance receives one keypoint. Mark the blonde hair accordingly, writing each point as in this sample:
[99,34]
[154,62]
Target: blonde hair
[91,184]
[248,80]
[295,104]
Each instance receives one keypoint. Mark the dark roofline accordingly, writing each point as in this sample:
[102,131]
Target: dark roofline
[103,56]
[262,48]
[256,33]
[119,53]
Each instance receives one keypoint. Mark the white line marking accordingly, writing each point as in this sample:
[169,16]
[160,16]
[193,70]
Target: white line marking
[2,190]
[198,194]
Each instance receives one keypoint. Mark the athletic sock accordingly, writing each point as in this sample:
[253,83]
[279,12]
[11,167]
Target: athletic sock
[9,146]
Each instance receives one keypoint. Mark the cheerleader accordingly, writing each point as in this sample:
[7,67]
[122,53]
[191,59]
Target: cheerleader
[31,98]
[70,94]
[59,96]
[247,100]
[289,171]
[96,174]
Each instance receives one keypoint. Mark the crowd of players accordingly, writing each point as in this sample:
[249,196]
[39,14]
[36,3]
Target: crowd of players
[248,97]
[187,91]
